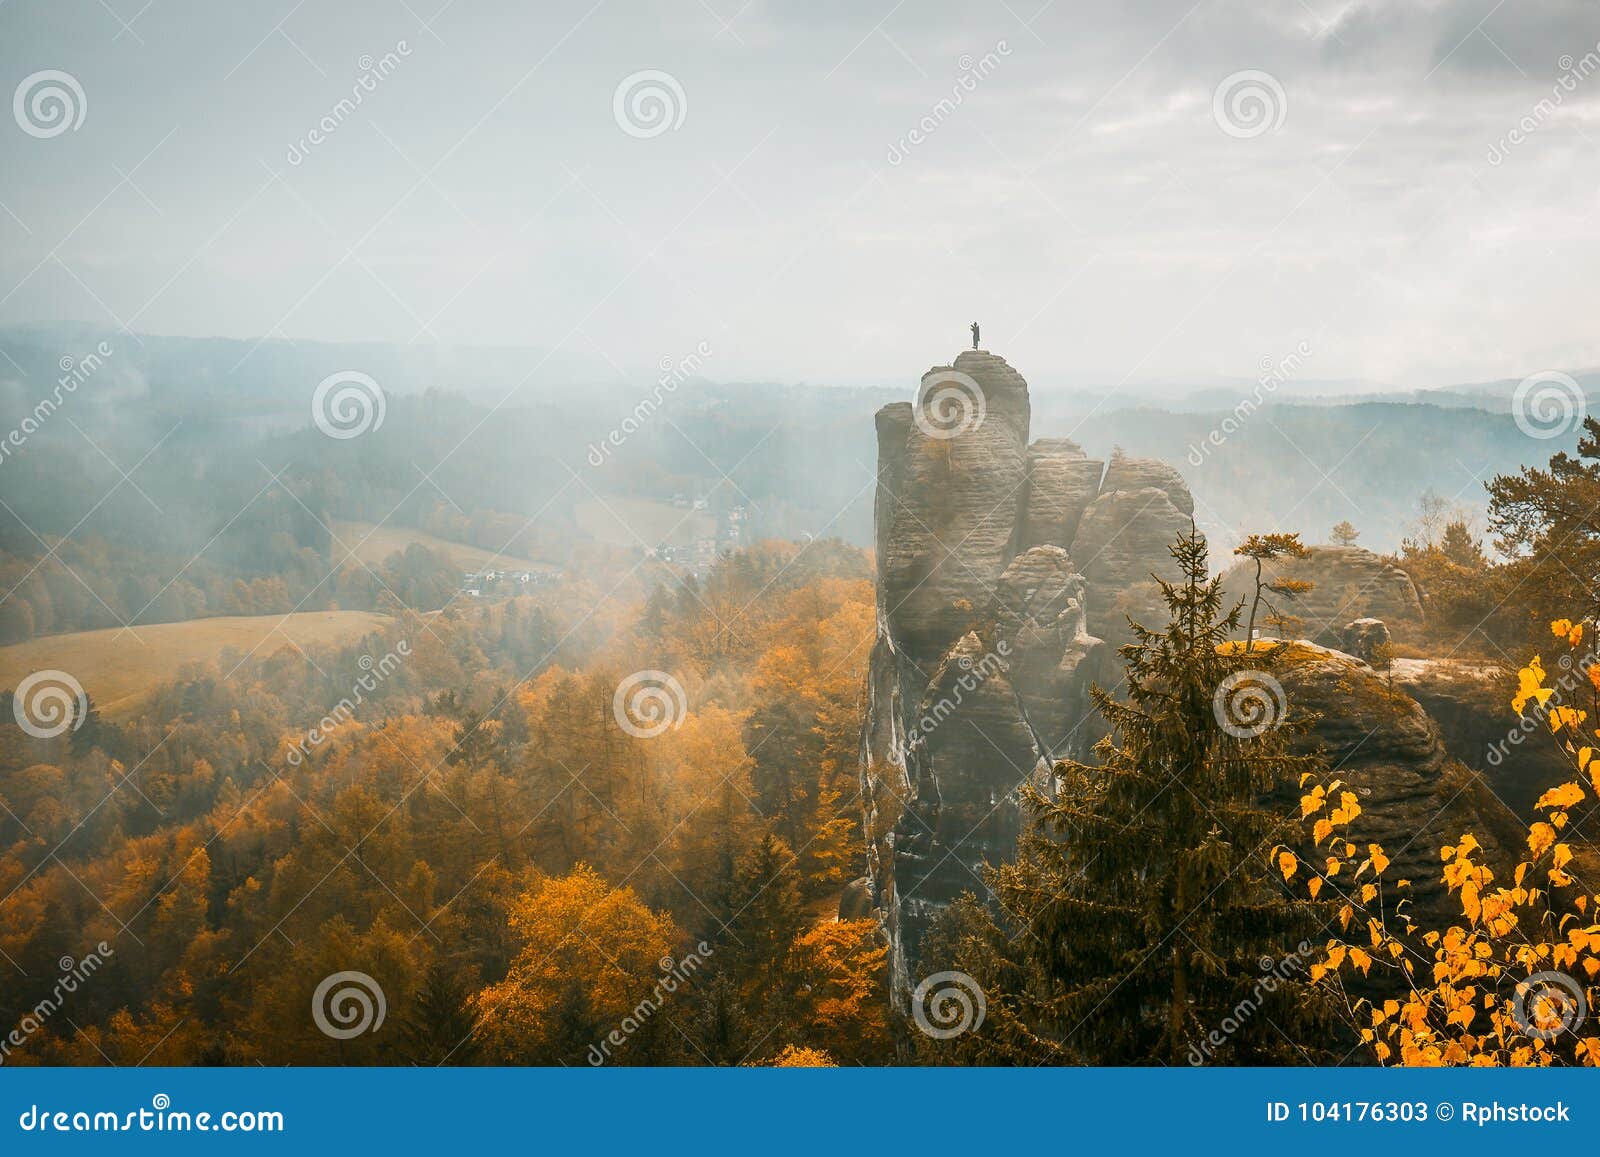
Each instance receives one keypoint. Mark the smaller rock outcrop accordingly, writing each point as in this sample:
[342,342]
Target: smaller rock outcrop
[1124,473]
[1062,481]
[1386,747]
[1348,582]
[1126,537]
[855,902]
[1041,623]
[1518,758]
[1365,639]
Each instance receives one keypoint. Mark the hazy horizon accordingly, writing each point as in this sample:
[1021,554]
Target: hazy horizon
[579,368]
[820,198]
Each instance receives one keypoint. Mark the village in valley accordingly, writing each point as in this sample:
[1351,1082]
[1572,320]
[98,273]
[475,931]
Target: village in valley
[691,559]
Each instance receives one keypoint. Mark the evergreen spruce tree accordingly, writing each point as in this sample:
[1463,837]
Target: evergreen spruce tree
[438,1027]
[718,1030]
[1146,899]
[768,915]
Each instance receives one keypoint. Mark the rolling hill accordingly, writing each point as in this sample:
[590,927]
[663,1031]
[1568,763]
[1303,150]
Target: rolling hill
[119,668]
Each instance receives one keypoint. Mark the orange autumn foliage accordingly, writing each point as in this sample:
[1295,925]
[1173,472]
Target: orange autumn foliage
[1512,982]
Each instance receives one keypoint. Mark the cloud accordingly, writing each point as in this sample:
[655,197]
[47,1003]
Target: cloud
[1080,197]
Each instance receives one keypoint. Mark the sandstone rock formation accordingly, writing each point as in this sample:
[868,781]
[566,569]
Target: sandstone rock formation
[953,504]
[1123,540]
[1001,568]
[1349,582]
[1468,701]
[1062,481]
[855,902]
[1414,796]
[1365,639]
[1004,571]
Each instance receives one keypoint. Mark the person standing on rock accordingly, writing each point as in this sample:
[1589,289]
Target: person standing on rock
[974,335]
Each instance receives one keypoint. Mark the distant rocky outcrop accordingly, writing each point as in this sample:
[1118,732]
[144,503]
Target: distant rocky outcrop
[1003,569]
[1348,582]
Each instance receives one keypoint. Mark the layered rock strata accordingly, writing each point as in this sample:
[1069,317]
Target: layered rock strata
[1003,567]
[1415,793]
[1005,572]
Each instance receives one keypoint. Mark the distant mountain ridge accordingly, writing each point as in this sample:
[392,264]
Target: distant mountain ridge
[514,427]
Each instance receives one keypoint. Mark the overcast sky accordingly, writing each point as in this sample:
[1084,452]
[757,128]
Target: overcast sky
[1083,198]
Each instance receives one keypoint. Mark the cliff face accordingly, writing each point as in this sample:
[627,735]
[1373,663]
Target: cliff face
[1468,701]
[1415,794]
[1003,569]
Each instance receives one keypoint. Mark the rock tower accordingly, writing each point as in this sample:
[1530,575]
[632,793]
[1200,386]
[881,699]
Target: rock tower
[1004,571]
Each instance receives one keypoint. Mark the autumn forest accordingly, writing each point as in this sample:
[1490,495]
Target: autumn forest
[632,555]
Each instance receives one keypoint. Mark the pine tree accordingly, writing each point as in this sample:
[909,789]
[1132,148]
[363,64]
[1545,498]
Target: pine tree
[575,1026]
[93,732]
[439,1026]
[768,916]
[1344,533]
[718,1030]
[1458,545]
[1145,889]
[1263,549]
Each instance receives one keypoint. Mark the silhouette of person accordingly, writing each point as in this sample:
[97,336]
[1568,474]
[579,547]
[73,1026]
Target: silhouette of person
[974,335]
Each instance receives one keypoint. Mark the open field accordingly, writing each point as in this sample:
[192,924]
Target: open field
[119,672]
[382,541]
[630,521]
